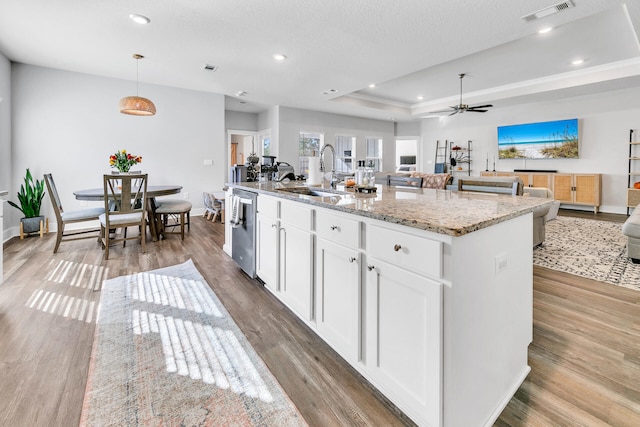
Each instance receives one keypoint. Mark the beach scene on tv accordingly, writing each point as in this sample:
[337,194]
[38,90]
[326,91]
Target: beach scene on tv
[545,140]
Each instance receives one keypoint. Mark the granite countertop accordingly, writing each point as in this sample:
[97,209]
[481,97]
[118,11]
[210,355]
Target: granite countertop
[440,211]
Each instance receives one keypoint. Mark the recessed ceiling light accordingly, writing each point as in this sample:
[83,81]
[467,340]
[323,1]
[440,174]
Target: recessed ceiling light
[241,93]
[372,85]
[545,30]
[577,61]
[327,92]
[139,19]
[420,97]
[279,57]
[210,67]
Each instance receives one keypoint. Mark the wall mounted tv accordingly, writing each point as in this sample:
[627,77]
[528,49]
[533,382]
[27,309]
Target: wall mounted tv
[544,140]
[407,160]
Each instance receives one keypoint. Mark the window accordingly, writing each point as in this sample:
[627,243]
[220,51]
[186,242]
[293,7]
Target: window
[265,142]
[345,153]
[374,152]
[308,146]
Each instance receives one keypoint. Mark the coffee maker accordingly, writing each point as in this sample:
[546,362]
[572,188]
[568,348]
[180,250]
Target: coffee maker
[268,167]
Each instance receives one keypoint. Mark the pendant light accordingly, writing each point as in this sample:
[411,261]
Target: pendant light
[137,105]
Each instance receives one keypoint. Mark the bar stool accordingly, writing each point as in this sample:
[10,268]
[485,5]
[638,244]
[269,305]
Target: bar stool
[178,209]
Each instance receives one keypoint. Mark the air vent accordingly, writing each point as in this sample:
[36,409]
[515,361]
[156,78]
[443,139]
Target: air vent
[556,8]
[210,67]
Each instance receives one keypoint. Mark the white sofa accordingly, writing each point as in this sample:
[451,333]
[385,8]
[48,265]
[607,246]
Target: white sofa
[547,194]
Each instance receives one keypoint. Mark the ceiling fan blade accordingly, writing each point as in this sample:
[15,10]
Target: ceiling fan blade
[480,106]
[477,111]
[443,111]
[456,112]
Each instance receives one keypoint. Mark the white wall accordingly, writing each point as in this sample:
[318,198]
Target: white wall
[68,124]
[239,120]
[604,123]
[5,130]
[293,120]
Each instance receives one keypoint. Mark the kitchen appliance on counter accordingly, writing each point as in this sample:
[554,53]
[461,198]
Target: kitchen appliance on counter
[285,170]
[268,168]
[243,230]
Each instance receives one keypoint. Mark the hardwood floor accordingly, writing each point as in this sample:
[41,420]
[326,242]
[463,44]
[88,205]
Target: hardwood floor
[585,355]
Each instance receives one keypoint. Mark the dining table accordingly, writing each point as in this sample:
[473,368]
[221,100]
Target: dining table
[153,191]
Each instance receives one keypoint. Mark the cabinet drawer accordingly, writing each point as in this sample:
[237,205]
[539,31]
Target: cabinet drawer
[297,215]
[417,254]
[268,206]
[338,229]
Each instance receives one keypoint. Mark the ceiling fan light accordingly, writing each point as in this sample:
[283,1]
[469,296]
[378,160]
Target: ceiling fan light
[137,106]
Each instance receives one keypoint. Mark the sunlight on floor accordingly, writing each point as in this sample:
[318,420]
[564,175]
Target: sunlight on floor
[175,292]
[198,350]
[76,274]
[65,306]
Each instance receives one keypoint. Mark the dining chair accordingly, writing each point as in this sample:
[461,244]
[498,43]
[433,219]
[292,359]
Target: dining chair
[173,213]
[127,196]
[63,218]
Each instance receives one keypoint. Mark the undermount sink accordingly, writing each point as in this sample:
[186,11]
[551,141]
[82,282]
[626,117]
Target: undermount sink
[309,191]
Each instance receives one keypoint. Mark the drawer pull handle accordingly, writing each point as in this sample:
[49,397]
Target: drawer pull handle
[352,259]
[397,247]
[370,267]
[334,227]
[274,225]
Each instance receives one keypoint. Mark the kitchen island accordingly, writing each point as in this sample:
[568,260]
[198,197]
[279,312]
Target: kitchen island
[427,293]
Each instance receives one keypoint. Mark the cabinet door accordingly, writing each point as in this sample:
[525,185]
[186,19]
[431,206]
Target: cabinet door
[267,250]
[403,315]
[562,187]
[586,188]
[338,297]
[541,180]
[296,269]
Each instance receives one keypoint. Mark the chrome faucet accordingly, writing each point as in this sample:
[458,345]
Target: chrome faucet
[333,180]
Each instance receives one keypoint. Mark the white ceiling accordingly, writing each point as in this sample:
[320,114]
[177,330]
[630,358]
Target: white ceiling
[406,47]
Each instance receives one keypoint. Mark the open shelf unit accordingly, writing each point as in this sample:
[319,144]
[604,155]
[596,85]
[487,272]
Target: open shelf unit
[459,160]
[633,194]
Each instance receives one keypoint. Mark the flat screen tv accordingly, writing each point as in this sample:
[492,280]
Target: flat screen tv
[407,160]
[544,140]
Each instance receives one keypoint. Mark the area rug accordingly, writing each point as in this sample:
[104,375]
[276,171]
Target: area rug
[588,248]
[167,353]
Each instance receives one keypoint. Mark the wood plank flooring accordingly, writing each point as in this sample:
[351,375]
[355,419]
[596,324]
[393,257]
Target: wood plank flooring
[585,355]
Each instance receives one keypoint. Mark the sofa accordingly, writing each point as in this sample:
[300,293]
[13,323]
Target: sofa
[544,193]
[631,229]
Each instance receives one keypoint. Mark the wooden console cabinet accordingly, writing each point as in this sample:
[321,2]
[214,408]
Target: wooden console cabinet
[569,188]
[577,189]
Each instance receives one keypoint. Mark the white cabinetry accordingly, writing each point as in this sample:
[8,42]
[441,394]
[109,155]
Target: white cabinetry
[403,312]
[338,281]
[296,258]
[439,324]
[267,253]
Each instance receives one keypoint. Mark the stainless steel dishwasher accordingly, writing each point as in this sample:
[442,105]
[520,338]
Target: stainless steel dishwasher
[243,231]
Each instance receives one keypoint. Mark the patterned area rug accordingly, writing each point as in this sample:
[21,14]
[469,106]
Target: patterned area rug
[166,352]
[588,248]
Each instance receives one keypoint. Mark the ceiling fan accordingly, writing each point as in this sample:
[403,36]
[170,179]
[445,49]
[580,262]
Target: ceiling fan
[461,108]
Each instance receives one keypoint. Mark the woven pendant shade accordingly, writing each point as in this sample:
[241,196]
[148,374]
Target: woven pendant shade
[137,106]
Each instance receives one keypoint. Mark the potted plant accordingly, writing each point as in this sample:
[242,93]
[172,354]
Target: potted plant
[30,198]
